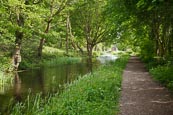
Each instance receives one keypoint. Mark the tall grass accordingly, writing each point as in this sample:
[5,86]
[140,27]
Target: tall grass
[95,93]
[6,81]
[5,78]
[61,60]
[50,62]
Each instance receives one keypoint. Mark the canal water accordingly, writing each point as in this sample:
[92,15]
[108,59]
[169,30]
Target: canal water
[45,80]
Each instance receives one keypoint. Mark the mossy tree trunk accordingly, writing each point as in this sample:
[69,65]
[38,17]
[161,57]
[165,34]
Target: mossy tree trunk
[16,58]
[42,40]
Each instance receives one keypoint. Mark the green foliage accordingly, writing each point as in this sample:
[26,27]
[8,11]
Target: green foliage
[96,53]
[47,19]
[154,16]
[93,94]
[49,61]
[89,23]
[164,75]
[32,102]
[61,60]
[4,64]
[147,50]
[52,57]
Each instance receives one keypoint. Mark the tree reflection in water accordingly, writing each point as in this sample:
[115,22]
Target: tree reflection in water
[17,87]
[89,65]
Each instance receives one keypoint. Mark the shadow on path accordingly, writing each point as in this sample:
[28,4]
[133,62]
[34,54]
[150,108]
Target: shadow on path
[141,95]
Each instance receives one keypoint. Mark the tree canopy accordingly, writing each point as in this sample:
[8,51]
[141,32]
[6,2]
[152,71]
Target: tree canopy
[26,26]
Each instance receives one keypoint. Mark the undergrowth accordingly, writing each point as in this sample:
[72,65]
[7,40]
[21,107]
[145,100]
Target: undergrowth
[164,75]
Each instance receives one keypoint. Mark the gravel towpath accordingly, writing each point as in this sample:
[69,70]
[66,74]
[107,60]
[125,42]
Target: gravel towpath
[141,95]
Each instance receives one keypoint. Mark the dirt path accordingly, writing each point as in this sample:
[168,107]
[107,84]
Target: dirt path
[141,95]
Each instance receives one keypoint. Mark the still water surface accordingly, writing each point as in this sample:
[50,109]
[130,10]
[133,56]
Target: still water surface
[45,80]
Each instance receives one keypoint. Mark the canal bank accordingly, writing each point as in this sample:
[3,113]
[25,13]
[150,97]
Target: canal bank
[94,93]
[44,80]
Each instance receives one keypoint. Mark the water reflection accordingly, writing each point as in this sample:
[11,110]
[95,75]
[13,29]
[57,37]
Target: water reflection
[17,87]
[45,80]
[40,74]
[90,64]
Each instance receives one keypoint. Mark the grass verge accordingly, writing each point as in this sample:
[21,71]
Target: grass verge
[164,75]
[95,93]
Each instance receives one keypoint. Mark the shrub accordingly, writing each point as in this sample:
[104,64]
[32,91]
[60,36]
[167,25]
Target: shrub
[164,75]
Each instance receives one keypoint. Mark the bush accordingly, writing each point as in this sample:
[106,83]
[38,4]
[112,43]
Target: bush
[147,50]
[164,75]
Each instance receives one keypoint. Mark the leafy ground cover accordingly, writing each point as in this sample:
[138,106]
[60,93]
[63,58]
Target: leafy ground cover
[164,75]
[160,69]
[93,94]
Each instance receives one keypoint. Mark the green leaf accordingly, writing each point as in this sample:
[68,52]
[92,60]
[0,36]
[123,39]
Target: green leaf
[140,3]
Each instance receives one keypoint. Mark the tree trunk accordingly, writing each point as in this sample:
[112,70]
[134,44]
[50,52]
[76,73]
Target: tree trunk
[73,45]
[157,39]
[67,34]
[60,44]
[42,40]
[40,48]
[90,51]
[16,58]
[80,49]
[170,44]
[89,60]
